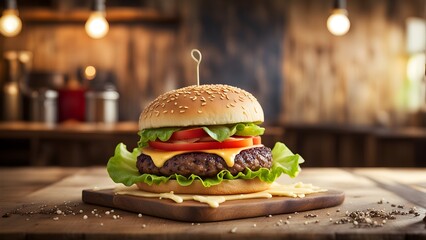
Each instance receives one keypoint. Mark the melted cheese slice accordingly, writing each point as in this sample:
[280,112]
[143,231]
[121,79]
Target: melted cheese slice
[295,190]
[159,157]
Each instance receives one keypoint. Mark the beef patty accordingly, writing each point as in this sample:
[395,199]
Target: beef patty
[207,164]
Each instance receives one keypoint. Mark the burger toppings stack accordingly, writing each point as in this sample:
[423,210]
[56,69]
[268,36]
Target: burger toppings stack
[202,139]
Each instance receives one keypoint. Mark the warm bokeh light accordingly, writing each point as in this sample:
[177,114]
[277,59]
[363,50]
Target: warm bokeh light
[10,23]
[90,72]
[338,23]
[97,26]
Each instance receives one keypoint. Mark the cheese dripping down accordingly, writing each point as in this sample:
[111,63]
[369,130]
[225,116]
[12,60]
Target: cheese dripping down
[159,157]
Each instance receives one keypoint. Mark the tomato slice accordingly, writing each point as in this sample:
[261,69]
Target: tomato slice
[189,134]
[230,143]
[257,140]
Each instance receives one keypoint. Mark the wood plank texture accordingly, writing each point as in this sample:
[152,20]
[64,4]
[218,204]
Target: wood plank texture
[361,193]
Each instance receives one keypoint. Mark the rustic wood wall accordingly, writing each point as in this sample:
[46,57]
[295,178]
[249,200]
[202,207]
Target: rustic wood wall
[354,79]
[279,50]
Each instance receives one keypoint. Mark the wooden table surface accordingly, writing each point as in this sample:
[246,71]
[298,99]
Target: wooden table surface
[31,197]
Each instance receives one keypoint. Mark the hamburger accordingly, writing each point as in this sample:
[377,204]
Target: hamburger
[202,139]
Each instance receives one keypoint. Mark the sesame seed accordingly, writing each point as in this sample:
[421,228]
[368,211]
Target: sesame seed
[234,230]
[199,111]
[85,217]
[181,111]
[55,218]
[175,103]
[140,215]
[165,111]
[186,107]
[172,111]
[231,104]
[254,225]
[203,103]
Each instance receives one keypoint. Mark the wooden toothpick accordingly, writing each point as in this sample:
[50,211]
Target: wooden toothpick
[198,60]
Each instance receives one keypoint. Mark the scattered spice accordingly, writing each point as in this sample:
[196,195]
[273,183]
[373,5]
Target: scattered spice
[369,218]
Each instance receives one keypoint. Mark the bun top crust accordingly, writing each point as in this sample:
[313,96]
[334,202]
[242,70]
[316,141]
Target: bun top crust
[202,105]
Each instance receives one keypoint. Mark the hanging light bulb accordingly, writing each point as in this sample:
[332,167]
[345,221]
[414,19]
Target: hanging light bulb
[10,23]
[338,22]
[96,25]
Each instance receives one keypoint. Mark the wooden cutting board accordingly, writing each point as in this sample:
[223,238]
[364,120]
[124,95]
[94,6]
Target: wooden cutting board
[192,211]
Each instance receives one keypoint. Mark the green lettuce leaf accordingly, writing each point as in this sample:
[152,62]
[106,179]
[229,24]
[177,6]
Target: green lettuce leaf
[153,134]
[218,133]
[122,169]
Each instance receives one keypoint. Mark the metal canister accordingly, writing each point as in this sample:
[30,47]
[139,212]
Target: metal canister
[43,106]
[102,106]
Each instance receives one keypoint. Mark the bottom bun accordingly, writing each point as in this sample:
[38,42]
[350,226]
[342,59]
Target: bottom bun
[237,186]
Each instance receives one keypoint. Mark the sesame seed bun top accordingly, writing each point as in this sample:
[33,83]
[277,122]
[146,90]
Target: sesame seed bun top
[201,105]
